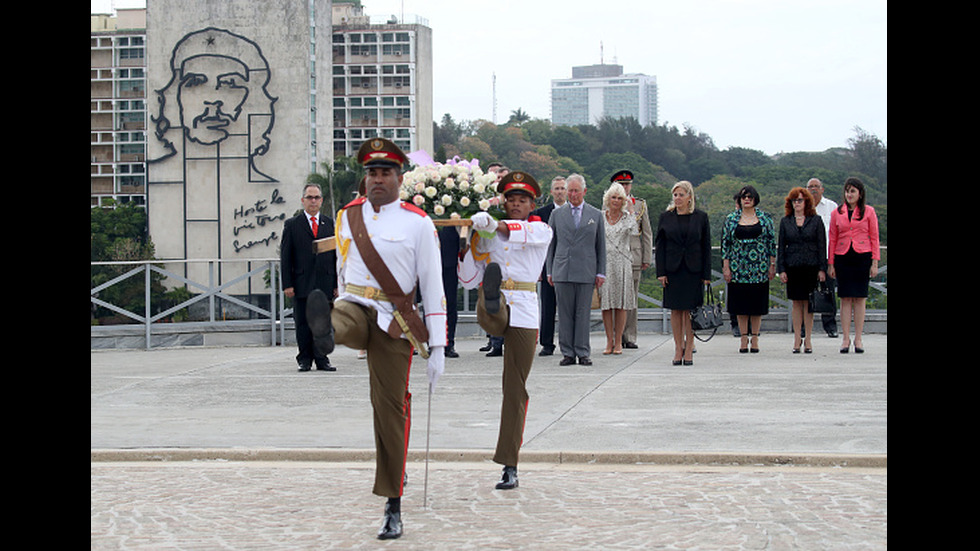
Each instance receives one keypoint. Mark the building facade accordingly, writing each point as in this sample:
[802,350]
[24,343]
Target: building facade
[382,80]
[118,108]
[597,91]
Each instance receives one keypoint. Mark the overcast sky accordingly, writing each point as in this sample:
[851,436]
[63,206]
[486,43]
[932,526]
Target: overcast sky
[772,75]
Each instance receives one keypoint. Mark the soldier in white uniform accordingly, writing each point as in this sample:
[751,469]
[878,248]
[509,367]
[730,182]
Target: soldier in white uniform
[508,264]
[365,318]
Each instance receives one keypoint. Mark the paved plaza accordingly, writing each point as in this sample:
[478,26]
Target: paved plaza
[232,448]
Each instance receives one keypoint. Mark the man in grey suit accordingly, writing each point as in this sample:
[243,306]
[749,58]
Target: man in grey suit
[576,265]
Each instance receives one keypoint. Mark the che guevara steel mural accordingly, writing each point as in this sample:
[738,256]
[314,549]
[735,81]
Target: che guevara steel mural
[212,125]
[217,96]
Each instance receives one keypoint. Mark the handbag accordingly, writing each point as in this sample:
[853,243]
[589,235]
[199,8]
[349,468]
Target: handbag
[707,315]
[822,299]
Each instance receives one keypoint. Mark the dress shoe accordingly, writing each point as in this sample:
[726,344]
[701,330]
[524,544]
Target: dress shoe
[325,366]
[567,360]
[547,351]
[508,480]
[391,526]
[584,360]
[318,307]
[451,352]
[304,367]
[832,333]
[492,277]
[628,344]
[494,352]
[486,348]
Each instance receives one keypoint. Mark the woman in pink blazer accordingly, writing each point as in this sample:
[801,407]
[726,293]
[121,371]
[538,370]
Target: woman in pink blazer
[853,258]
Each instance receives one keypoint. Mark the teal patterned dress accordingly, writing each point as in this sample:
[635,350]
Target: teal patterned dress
[748,250]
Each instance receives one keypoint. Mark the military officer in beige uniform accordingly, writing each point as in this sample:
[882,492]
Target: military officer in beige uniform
[364,317]
[641,245]
[508,264]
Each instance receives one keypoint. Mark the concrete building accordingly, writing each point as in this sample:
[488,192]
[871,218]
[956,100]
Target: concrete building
[382,79]
[118,108]
[597,91]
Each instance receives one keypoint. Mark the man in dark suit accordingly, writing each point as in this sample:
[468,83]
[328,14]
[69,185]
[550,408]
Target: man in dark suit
[546,333]
[303,270]
[576,266]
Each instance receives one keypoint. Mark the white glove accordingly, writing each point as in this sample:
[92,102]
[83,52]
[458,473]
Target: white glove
[484,222]
[436,365]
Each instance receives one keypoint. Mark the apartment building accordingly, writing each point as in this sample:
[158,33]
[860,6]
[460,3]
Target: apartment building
[118,107]
[382,79]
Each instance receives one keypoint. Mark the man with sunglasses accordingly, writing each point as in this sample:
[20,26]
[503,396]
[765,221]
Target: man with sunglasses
[303,271]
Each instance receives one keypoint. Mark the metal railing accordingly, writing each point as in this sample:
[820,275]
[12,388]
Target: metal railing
[267,269]
[209,291]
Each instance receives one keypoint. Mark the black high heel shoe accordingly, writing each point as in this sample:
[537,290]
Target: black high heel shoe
[754,350]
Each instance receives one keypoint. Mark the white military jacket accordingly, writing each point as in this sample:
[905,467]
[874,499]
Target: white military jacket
[406,240]
[520,256]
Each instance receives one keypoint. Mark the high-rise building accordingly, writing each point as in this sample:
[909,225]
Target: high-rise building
[382,79]
[597,91]
[118,108]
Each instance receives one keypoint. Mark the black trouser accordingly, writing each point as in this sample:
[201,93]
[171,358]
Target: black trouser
[548,307]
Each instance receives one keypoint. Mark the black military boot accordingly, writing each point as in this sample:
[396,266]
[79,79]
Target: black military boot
[318,307]
[508,480]
[491,287]
[391,526]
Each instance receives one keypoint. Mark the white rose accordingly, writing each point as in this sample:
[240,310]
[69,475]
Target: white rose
[403,195]
[478,187]
[450,183]
[418,200]
[438,210]
[430,192]
[419,187]
[447,200]
[465,201]
[484,204]
[463,186]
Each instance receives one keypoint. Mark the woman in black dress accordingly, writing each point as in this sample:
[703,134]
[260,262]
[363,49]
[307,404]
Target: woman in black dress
[748,256]
[683,259]
[800,260]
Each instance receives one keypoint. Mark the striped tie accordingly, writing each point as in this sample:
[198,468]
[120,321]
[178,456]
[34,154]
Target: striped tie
[313,221]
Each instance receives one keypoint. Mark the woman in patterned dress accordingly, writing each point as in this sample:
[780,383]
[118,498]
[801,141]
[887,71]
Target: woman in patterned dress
[616,294]
[748,253]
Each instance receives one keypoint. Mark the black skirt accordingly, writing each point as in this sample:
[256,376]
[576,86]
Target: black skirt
[800,282]
[853,272]
[748,299]
[684,290]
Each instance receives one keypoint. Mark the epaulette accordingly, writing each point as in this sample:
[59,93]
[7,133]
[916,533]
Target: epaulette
[534,218]
[410,206]
[357,201]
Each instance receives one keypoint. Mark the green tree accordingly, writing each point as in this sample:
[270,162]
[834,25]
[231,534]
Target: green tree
[518,117]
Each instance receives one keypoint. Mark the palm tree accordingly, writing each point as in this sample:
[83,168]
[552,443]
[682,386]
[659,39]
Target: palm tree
[518,117]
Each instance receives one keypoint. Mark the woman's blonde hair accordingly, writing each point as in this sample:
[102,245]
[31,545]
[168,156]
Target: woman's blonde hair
[686,186]
[615,190]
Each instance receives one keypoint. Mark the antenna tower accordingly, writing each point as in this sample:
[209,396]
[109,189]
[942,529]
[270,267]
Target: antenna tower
[494,98]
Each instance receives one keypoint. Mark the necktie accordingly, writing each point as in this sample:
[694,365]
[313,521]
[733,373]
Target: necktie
[313,221]
[577,215]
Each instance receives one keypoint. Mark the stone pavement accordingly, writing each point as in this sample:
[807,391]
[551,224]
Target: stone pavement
[232,448]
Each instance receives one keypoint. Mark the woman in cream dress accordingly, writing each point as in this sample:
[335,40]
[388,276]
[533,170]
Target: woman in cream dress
[616,294]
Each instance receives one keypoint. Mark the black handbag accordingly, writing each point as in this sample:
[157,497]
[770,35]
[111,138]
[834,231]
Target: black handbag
[707,316]
[822,299]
